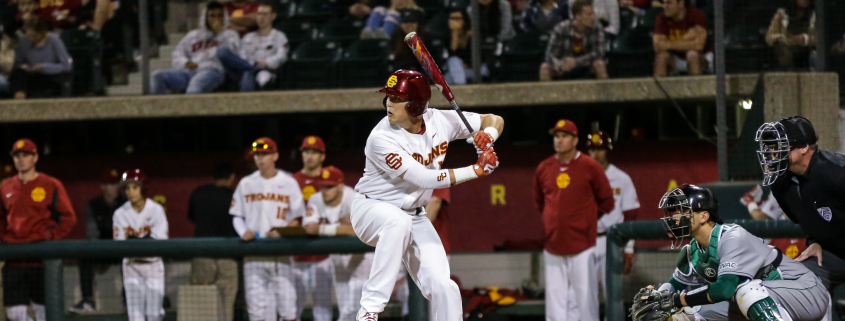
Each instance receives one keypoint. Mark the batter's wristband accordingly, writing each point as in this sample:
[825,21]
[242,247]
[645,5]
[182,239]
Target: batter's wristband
[328,230]
[752,206]
[493,132]
[464,174]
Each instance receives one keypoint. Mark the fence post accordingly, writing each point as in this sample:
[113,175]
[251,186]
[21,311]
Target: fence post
[615,267]
[417,304]
[54,293]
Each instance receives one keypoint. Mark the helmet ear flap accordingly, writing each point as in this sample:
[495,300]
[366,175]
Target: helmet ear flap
[384,101]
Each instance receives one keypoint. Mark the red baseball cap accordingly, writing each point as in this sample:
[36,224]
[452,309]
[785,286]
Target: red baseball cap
[24,144]
[565,125]
[599,140]
[331,176]
[110,176]
[264,145]
[313,142]
[133,175]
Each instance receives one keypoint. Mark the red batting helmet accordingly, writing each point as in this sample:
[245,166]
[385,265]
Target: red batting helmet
[411,85]
[133,175]
[599,140]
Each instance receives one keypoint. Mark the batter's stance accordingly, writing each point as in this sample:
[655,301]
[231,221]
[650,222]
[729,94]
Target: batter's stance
[404,154]
[725,272]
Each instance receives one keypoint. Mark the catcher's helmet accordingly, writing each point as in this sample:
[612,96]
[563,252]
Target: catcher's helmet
[599,140]
[681,202]
[133,175]
[775,139]
[411,85]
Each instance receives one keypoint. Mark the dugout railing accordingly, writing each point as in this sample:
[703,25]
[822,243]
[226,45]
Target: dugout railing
[53,254]
[617,304]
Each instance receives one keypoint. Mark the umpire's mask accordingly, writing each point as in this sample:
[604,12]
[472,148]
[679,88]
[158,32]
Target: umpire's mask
[774,151]
[677,212]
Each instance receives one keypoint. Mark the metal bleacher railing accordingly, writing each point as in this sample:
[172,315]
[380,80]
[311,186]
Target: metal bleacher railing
[53,253]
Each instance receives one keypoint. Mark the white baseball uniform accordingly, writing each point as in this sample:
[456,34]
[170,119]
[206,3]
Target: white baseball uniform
[260,204]
[143,278]
[350,270]
[772,209]
[388,211]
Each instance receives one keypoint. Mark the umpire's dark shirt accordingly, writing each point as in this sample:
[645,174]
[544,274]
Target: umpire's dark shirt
[208,208]
[816,200]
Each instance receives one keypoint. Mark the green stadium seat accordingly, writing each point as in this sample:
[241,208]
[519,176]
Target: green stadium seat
[438,26]
[457,4]
[521,57]
[312,65]
[297,30]
[650,18]
[633,54]
[343,31]
[86,48]
[8,13]
[431,6]
[316,10]
[364,64]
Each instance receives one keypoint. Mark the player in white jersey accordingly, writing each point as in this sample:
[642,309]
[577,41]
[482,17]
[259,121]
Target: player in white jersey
[626,209]
[143,278]
[404,154]
[759,209]
[328,214]
[267,199]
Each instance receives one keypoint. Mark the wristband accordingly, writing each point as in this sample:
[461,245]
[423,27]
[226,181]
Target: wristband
[493,132]
[328,230]
[696,297]
[464,174]
[752,206]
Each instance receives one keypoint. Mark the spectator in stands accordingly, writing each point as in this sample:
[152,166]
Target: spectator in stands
[35,208]
[630,14]
[361,9]
[544,15]
[680,39]
[196,68]
[243,16]
[261,55]
[607,13]
[98,225]
[576,48]
[68,14]
[383,21]
[459,49]
[208,208]
[40,59]
[791,31]
[496,19]
[7,62]
[411,21]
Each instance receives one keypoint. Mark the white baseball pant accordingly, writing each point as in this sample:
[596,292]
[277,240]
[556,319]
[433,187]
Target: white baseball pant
[144,284]
[600,257]
[269,287]
[350,273]
[400,235]
[314,278]
[567,276]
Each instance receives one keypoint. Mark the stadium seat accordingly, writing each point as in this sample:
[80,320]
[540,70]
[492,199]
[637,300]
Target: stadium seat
[650,18]
[86,48]
[438,26]
[521,57]
[459,4]
[364,64]
[316,10]
[8,13]
[343,31]
[632,54]
[297,30]
[431,7]
[312,65]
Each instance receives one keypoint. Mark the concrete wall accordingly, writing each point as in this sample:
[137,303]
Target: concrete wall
[812,95]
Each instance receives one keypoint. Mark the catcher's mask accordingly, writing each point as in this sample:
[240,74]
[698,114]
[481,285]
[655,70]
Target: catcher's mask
[774,151]
[676,215]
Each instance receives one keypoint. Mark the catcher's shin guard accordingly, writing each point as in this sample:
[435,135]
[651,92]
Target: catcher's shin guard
[766,310]
[756,304]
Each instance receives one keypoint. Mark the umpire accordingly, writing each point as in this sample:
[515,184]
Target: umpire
[809,184]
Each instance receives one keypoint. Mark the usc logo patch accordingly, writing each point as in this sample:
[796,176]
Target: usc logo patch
[393,160]
[392,81]
[792,251]
[563,180]
[38,194]
[441,177]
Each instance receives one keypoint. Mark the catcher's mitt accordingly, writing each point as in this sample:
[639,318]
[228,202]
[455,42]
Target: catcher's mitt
[652,305]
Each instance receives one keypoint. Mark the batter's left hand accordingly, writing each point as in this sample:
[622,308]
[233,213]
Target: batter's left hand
[273,233]
[482,141]
[487,163]
[312,228]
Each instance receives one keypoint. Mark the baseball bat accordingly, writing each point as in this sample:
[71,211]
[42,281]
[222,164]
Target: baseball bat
[430,67]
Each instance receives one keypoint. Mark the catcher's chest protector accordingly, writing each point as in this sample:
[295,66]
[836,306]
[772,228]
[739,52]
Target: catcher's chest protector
[704,262]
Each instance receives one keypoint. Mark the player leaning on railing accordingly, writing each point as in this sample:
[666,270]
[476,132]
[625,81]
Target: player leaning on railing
[724,268]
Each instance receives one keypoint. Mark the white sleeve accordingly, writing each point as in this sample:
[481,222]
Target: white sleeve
[771,208]
[297,202]
[238,206]
[246,50]
[613,16]
[160,227]
[457,128]
[239,225]
[312,214]
[276,60]
[117,227]
[179,57]
[629,196]
[394,161]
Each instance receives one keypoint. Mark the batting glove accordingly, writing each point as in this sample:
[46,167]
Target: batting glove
[484,139]
[487,163]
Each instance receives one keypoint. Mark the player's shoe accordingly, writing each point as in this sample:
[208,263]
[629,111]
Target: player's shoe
[366,316]
[84,306]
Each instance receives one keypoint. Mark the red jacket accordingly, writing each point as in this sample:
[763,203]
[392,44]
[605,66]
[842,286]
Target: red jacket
[572,197]
[39,210]
[309,185]
[441,223]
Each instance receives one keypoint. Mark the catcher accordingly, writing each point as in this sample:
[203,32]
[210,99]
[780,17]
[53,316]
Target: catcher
[725,270]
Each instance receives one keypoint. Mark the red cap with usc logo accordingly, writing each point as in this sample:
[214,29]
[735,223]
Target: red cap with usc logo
[564,125]
[599,140]
[313,142]
[264,145]
[110,176]
[24,145]
[331,176]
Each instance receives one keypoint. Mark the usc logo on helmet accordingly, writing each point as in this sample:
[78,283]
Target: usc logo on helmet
[392,81]
[393,160]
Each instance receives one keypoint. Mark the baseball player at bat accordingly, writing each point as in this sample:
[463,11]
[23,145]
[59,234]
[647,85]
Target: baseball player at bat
[726,273]
[266,199]
[404,154]
[143,278]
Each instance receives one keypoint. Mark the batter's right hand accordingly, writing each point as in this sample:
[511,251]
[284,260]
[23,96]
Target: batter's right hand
[249,235]
[487,163]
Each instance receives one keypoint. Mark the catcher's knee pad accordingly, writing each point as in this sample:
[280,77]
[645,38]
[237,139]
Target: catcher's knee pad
[755,303]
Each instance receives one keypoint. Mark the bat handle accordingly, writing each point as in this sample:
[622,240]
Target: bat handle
[461,114]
